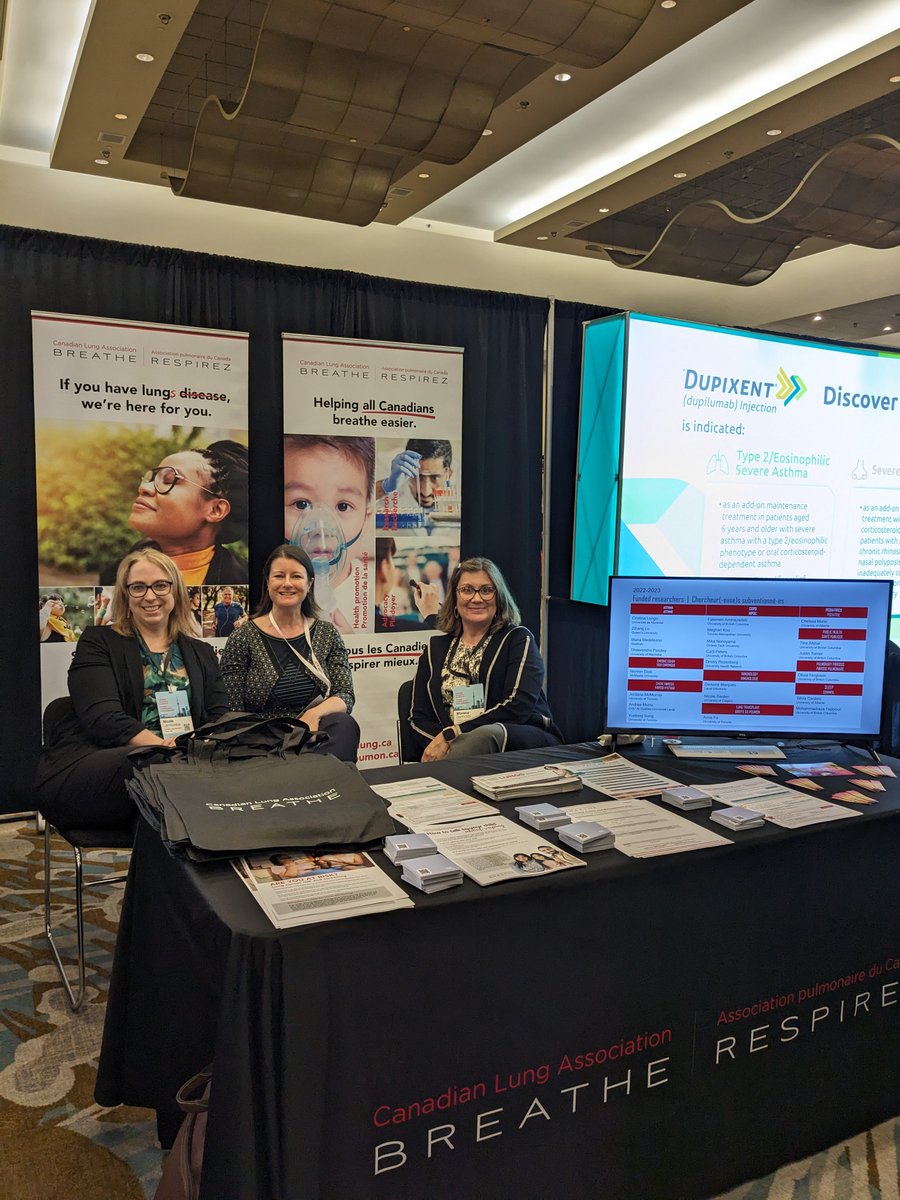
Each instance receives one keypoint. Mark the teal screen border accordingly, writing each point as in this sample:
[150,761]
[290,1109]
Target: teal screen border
[599,439]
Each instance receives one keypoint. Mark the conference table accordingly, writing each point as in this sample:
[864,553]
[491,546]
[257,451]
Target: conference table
[662,1028]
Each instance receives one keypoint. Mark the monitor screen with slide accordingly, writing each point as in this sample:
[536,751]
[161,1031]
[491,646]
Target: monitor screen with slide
[747,657]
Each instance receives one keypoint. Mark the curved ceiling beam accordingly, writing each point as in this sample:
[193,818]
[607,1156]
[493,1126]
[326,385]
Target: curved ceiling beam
[341,96]
[851,194]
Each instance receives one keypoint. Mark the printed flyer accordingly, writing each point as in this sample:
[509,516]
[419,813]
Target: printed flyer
[372,473]
[140,435]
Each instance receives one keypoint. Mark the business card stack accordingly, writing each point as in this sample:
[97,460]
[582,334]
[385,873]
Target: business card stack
[399,847]
[542,816]
[738,818]
[685,799]
[586,836]
[549,780]
[433,873]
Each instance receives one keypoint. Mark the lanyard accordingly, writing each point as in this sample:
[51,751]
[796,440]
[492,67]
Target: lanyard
[314,667]
[165,661]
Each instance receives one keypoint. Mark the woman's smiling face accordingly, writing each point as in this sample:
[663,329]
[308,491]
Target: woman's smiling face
[188,516]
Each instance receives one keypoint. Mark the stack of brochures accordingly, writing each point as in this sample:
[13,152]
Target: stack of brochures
[548,780]
[399,847]
[685,799]
[587,836]
[738,818]
[433,873]
[542,816]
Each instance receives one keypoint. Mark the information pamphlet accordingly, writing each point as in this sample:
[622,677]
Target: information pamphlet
[494,850]
[300,887]
[547,780]
[644,830]
[778,804]
[421,803]
[617,777]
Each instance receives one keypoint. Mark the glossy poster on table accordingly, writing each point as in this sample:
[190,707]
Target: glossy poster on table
[372,474]
[140,434]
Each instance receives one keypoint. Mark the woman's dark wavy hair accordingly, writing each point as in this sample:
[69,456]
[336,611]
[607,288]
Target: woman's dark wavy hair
[227,462]
[309,608]
[448,620]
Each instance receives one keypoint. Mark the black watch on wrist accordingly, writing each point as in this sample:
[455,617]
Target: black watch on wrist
[449,734]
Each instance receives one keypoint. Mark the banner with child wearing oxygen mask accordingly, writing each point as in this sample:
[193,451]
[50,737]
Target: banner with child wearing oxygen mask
[140,440]
[372,471]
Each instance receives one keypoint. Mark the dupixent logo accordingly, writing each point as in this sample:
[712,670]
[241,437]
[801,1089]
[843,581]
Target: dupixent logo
[790,387]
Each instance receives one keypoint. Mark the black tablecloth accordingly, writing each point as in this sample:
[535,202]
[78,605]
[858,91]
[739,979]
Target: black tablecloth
[660,1028]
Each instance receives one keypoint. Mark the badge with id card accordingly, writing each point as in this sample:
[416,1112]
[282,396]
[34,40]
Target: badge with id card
[468,702]
[174,708]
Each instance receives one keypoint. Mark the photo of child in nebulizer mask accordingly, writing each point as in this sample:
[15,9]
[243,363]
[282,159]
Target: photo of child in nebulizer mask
[328,487]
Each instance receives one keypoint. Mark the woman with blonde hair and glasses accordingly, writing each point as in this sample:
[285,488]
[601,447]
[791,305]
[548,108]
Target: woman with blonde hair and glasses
[116,674]
[479,689]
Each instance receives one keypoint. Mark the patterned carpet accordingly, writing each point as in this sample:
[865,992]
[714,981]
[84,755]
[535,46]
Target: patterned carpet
[57,1144]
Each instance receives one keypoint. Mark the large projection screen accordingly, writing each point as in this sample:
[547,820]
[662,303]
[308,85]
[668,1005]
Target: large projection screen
[751,455]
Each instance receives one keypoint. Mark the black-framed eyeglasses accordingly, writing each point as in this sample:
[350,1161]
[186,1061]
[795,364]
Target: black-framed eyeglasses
[164,479]
[486,591]
[159,587]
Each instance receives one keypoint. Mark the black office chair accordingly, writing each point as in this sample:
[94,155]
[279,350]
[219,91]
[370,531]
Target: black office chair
[79,839]
[409,750]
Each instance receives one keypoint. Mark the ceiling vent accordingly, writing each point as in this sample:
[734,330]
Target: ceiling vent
[114,139]
[398,193]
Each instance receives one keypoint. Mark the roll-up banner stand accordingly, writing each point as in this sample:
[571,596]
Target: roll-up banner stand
[115,402]
[372,472]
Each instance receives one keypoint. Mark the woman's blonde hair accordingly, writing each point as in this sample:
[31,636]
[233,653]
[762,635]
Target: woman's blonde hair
[448,620]
[180,619]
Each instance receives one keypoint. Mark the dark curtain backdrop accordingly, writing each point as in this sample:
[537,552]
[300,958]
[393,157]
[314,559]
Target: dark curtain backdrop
[576,633]
[502,335]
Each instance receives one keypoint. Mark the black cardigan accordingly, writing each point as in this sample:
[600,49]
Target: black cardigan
[106,683]
[512,672]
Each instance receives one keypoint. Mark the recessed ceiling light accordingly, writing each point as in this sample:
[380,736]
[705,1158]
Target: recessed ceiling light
[817,317]
[102,162]
[602,210]
[407,28]
[562,77]
[144,57]
[486,132]
[772,132]
[121,116]
[668,3]
[353,141]
[424,175]
[894,79]
[887,329]
[680,175]
[542,237]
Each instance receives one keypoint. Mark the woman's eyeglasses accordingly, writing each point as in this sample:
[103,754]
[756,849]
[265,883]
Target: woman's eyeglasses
[164,479]
[159,587]
[486,591]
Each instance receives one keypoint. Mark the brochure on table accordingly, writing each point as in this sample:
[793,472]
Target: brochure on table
[617,777]
[644,830]
[778,804]
[422,803]
[497,849]
[547,780]
[300,887]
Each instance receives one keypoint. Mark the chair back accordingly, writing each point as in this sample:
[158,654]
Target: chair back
[409,750]
[57,711]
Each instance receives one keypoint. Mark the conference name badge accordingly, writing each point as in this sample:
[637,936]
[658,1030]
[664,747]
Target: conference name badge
[174,712]
[468,702]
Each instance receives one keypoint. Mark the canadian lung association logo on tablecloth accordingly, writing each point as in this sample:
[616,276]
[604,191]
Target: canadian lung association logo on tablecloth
[140,435]
[372,474]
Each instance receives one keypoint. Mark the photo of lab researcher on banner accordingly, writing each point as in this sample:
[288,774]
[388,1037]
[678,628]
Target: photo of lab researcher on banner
[418,485]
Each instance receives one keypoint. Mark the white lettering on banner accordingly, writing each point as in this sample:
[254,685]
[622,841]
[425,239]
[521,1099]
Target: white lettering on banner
[488,1124]
[869,1003]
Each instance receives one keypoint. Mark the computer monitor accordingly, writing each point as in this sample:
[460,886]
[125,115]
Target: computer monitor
[747,657]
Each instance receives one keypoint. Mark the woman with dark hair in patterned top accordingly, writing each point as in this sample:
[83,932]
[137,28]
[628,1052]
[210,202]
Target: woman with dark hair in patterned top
[287,661]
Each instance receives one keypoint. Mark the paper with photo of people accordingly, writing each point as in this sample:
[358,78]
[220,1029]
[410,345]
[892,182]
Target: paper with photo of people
[496,849]
[305,887]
